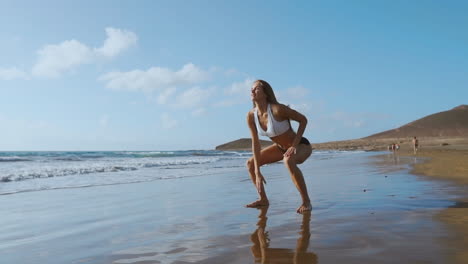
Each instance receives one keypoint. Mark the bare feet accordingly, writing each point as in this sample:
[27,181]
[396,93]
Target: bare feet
[306,207]
[258,203]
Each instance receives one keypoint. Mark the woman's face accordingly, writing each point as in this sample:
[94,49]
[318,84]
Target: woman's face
[256,92]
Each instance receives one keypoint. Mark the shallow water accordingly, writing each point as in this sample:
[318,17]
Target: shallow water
[364,210]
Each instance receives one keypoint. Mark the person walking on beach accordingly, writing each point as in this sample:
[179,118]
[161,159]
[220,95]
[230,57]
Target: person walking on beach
[415,145]
[272,119]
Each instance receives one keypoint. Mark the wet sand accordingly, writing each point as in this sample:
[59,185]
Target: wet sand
[379,212]
[363,212]
[405,143]
[449,163]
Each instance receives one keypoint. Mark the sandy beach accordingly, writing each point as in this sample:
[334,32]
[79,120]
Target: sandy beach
[363,212]
[450,163]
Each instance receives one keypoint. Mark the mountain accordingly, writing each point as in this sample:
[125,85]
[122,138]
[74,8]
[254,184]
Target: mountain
[444,127]
[242,144]
[451,123]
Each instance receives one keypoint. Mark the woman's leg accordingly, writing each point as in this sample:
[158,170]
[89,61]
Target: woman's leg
[268,155]
[302,153]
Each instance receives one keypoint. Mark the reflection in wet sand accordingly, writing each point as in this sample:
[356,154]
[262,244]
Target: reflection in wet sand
[396,159]
[263,253]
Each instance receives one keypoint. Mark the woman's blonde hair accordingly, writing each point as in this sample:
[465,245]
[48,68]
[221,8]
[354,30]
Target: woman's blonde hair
[270,95]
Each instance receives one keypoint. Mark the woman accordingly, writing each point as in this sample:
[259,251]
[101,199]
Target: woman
[272,119]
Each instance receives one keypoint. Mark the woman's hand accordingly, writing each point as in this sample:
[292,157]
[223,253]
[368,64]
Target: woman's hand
[290,151]
[259,181]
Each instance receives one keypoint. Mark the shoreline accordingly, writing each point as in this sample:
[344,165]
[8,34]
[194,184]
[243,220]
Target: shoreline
[365,144]
[449,163]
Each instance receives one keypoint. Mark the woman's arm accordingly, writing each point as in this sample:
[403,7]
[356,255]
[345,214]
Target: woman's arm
[255,149]
[287,113]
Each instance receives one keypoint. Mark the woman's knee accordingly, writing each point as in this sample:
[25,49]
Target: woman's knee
[289,161]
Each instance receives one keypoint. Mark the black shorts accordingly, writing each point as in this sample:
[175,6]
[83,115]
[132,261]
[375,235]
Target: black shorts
[304,141]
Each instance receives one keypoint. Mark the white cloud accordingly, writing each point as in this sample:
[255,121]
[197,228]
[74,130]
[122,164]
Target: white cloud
[296,97]
[117,41]
[12,73]
[164,83]
[301,107]
[167,122]
[236,93]
[164,96]
[240,88]
[297,92]
[155,78]
[131,81]
[292,95]
[191,74]
[192,97]
[55,59]
[359,123]
[199,112]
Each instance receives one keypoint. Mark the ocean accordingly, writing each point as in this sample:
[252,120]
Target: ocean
[45,170]
[36,171]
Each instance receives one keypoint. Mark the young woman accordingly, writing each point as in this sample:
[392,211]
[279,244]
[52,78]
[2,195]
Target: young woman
[272,119]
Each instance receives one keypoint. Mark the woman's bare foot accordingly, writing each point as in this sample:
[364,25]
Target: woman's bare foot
[258,203]
[306,207]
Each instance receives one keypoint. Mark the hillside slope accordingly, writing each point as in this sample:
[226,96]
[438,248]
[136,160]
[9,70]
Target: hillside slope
[451,123]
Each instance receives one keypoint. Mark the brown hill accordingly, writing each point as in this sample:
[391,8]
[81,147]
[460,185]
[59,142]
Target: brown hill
[451,123]
[242,144]
[448,127]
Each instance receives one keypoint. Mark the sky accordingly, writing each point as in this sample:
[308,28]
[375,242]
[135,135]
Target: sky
[176,75]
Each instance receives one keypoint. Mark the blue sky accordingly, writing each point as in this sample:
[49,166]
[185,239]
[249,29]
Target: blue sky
[172,75]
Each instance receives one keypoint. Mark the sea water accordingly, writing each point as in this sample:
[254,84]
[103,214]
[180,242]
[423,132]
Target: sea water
[36,171]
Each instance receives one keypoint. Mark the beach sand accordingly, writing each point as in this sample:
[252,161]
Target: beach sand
[364,212]
[449,163]
[405,143]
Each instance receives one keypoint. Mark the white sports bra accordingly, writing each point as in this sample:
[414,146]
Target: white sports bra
[274,128]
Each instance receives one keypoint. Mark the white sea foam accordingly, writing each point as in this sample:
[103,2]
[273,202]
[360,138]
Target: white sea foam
[12,159]
[58,169]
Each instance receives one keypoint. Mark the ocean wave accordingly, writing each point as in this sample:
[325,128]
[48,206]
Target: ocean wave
[13,159]
[68,159]
[52,156]
[61,170]
[147,154]
[5,179]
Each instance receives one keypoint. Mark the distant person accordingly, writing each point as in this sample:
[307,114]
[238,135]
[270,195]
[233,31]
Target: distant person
[415,145]
[272,119]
